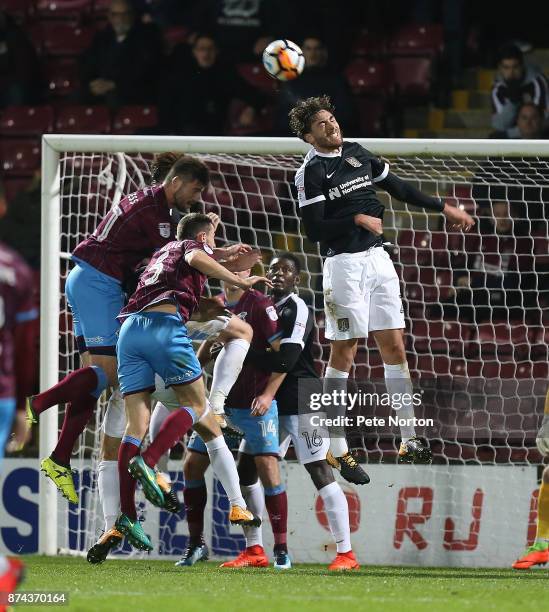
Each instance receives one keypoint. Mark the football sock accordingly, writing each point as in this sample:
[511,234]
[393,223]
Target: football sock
[398,382]
[86,381]
[337,512]
[176,425]
[77,414]
[276,501]
[542,532]
[108,485]
[226,370]
[159,415]
[195,496]
[336,380]
[224,468]
[129,448]
[255,500]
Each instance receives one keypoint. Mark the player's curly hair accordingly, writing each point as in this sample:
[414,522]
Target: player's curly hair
[191,224]
[162,164]
[303,112]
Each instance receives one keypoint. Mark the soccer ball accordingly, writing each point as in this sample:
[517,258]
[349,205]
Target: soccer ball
[283,60]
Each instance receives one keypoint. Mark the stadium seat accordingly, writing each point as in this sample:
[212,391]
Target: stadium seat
[175,35]
[18,9]
[369,77]
[368,44]
[83,119]
[133,119]
[20,157]
[65,39]
[26,120]
[412,76]
[62,77]
[371,115]
[414,247]
[263,122]
[73,10]
[462,195]
[256,76]
[415,39]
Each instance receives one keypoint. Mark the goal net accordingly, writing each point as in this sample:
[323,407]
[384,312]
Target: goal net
[476,315]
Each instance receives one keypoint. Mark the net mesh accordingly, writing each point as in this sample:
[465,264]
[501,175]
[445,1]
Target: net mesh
[476,311]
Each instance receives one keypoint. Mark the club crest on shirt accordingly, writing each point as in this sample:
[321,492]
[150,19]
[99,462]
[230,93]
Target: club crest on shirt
[353,161]
[271,311]
[164,230]
[343,325]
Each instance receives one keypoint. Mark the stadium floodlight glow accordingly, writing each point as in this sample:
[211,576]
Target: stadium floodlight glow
[252,190]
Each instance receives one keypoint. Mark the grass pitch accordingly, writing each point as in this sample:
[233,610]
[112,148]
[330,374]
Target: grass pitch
[158,586]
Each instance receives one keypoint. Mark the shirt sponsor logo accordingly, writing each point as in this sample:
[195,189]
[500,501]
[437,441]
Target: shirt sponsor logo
[334,193]
[271,312]
[353,161]
[164,230]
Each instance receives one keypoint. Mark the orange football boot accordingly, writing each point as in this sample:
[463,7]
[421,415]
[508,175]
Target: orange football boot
[242,516]
[534,555]
[254,556]
[344,562]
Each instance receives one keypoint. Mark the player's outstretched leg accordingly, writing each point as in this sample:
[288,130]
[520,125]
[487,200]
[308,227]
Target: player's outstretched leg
[335,384]
[538,553]
[146,476]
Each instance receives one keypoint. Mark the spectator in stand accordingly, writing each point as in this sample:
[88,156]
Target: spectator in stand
[516,84]
[199,103]
[318,78]
[240,27]
[529,123]
[122,65]
[493,279]
[19,68]
[20,227]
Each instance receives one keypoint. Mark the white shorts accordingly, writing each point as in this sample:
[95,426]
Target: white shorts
[198,331]
[311,442]
[361,294]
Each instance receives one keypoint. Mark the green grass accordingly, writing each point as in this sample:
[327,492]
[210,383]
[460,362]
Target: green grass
[158,586]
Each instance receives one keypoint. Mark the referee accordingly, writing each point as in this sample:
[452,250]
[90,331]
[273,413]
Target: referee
[336,187]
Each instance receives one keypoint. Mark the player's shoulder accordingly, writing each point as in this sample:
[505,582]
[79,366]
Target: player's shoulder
[311,160]
[355,148]
[293,305]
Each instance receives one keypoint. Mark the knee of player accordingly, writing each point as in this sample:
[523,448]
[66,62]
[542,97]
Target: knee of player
[268,470]
[194,466]
[238,328]
[109,448]
[545,475]
[321,474]
[394,352]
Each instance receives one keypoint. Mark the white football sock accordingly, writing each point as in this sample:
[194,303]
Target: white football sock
[224,468]
[336,380]
[159,415]
[226,370]
[108,485]
[255,499]
[337,512]
[397,381]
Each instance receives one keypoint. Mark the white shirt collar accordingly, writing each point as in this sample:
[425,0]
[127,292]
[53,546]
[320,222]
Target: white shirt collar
[284,299]
[334,154]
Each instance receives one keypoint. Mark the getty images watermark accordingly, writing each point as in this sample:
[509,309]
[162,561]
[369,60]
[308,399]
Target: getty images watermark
[332,408]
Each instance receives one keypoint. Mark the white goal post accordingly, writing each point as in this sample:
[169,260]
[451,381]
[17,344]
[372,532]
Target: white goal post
[446,154]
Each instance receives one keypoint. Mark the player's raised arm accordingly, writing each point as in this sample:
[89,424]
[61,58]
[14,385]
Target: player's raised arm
[404,191]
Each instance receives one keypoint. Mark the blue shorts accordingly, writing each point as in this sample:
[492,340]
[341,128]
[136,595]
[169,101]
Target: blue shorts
[7,412]
[152,343]
[260,433]
[95,300]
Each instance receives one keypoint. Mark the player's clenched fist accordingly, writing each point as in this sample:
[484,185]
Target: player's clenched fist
[372,224]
